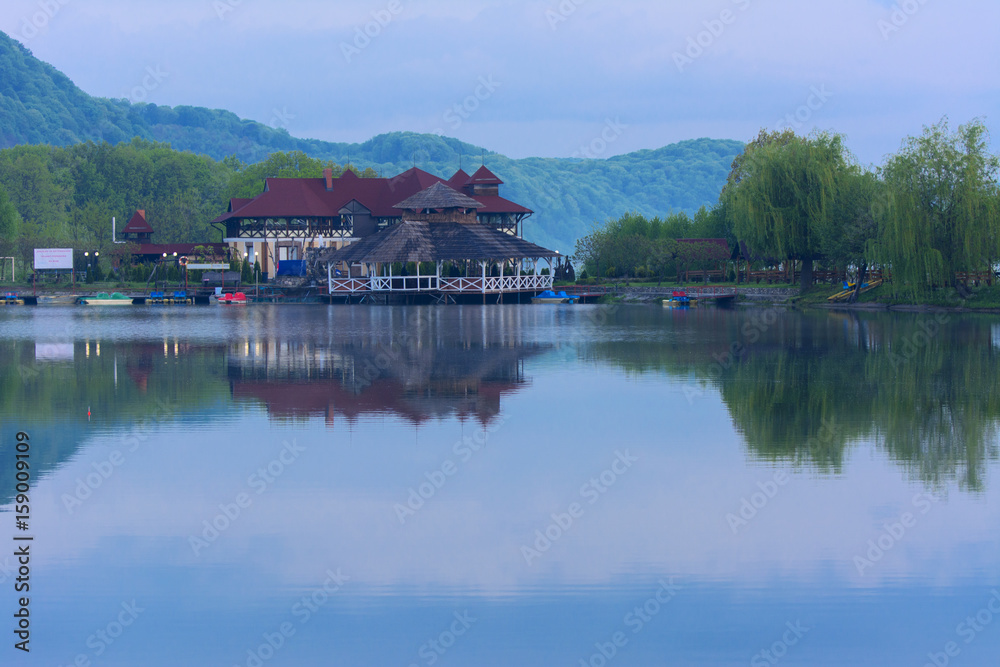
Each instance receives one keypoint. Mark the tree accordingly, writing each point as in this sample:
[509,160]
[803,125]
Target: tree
[940,214]
[10,219]
[782,190]
[662,256]
[846,234]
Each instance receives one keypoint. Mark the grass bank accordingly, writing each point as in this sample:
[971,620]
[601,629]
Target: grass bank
[985,298]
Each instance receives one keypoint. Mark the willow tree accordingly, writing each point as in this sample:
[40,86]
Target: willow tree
[782,191]
[940,213]
[10,220]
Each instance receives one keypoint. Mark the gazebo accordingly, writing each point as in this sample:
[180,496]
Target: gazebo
[439,226]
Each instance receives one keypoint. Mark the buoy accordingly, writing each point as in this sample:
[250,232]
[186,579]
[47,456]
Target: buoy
[88,413]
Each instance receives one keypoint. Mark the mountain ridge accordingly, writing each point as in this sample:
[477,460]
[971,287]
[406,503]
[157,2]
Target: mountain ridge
[41,105]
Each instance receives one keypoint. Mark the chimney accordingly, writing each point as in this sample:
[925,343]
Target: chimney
[328,174]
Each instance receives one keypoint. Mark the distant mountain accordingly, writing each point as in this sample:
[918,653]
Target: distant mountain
[40,105]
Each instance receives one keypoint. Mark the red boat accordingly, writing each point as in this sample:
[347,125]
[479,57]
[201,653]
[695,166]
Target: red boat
[237,299]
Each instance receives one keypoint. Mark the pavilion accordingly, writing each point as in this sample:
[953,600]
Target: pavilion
[295,215]
[439,227]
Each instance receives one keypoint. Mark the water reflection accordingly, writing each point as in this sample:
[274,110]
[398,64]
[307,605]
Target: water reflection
[803,387]
[707,406]
[798,387]
[419,376]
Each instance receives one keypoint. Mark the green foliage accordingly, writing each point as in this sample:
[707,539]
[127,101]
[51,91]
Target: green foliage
[634,245]
[67,196]
[10,219]
[940,214]
[782,192]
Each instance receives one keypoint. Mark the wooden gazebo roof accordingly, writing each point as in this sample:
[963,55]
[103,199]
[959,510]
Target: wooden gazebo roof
[410,241]
[438,196]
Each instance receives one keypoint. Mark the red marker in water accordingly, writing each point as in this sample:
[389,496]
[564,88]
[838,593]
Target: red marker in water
[88,413]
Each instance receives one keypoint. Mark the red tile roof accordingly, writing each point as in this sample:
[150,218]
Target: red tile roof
[459,180]
[485,177]
[497,204]
[309,198]
[138,224]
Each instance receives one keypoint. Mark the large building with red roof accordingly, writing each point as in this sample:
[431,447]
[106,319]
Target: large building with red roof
[294,215]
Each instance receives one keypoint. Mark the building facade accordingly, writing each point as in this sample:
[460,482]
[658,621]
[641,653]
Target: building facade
[294,215]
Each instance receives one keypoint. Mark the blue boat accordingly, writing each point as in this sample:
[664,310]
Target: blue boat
[679,299]
[548,296]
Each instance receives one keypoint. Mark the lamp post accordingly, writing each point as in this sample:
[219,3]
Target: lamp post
[87,256]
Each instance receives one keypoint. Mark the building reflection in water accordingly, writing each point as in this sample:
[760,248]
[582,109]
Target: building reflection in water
[430,368]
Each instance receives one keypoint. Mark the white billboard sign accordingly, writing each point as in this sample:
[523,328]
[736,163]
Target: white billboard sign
[208,266]
[53,258]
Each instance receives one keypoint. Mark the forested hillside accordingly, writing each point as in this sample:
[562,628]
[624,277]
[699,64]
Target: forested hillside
[40,105]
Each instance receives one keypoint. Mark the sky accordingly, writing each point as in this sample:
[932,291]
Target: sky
[538,78]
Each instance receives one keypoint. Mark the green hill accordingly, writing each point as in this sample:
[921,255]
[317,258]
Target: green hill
[40,105]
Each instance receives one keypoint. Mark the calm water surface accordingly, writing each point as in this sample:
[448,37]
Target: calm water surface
[508,485]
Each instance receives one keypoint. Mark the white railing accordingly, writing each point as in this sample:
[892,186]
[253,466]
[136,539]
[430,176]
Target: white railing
[404,284]
[498,284]
[349,285]
[435,284]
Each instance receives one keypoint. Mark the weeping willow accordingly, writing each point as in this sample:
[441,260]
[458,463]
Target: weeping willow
[785,192]
[941,210]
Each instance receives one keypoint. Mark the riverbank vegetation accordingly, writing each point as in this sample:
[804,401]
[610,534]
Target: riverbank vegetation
[929,217]
[52,197]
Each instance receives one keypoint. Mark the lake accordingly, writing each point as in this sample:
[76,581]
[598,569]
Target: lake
[502,485]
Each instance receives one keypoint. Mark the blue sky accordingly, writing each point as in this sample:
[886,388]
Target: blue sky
[538,77]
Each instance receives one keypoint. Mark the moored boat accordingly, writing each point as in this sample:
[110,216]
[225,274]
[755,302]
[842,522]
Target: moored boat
[237,299]
[11,299]
[104,299]
[679,299]
[548,296]
[58,300]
